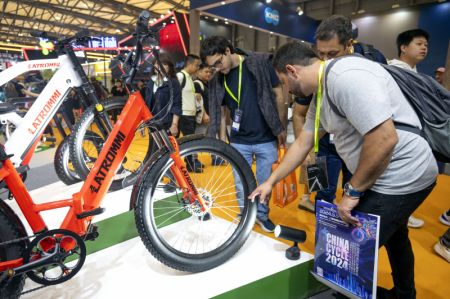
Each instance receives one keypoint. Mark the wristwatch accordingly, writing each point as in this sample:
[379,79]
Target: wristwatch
[350,191]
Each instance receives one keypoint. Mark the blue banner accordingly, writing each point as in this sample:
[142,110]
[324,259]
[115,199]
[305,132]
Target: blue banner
[346,256]
[271,17]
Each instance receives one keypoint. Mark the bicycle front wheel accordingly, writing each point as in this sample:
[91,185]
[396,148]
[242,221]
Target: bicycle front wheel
[177,231]
[88,139]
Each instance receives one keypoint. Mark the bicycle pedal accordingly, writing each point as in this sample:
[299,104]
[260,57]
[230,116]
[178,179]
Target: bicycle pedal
[92,234]
[93,212]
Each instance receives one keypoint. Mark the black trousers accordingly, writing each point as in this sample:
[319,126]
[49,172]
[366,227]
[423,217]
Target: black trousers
[187,125]
[394,211]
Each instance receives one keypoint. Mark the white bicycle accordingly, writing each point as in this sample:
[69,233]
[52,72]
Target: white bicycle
[23,134]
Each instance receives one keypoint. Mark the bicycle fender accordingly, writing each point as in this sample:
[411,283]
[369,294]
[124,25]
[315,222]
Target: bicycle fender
[6,210]
[152,160]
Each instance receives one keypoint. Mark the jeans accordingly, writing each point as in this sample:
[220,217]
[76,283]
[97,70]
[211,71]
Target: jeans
[265,154]
[334,166]
[394,211]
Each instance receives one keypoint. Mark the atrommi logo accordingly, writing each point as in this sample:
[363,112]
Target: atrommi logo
[271,16]
[44,112]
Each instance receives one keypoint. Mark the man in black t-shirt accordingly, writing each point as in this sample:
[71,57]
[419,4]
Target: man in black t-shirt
[246,84]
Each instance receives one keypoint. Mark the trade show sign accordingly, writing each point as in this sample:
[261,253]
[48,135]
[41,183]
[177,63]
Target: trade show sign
[346,256]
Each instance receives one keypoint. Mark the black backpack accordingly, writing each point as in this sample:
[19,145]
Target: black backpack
[369,52]
[431,102]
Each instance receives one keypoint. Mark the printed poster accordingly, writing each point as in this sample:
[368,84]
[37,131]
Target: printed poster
[346,256]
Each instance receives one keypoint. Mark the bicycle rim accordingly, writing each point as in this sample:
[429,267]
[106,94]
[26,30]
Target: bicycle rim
[177,231]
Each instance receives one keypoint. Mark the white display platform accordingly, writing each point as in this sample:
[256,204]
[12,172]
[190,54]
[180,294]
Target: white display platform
[128,269]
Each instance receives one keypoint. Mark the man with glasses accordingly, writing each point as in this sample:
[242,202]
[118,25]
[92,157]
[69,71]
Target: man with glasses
[247,85]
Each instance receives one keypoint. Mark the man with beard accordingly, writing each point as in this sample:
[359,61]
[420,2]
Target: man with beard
[393,170]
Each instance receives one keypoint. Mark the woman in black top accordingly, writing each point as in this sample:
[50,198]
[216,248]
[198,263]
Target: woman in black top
[157,94]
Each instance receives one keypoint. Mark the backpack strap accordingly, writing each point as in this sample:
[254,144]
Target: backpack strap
[369,51]
[327,70]
[183,82]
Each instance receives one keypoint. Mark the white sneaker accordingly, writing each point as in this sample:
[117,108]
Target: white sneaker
[445,218]
[442,250]
[414,222]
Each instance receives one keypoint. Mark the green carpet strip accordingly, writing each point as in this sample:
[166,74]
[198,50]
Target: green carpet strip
[292,283]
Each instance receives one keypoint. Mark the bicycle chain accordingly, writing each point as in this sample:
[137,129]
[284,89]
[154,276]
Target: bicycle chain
[17,241]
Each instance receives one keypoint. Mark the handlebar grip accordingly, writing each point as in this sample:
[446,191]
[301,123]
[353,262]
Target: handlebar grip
[142,22]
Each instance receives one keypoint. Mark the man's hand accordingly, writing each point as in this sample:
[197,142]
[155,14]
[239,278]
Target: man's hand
[282,137]
[205,119]
[263,191]
[345,207]
[174,129]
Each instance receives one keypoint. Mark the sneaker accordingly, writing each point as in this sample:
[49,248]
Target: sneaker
[445,218]
[217,161]
[414,222]
[307,205]
[266,225]
[442,250]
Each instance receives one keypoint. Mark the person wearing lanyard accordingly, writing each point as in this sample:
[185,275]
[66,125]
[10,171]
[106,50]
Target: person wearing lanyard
[393,170]
[246,84]
[189,106]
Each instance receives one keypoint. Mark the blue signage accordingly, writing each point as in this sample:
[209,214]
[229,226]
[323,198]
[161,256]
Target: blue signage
[271,16]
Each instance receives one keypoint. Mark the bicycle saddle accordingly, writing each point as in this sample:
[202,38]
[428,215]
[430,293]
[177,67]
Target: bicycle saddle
[6,107]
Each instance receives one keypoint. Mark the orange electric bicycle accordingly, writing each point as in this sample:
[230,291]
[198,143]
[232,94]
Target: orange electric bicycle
[196,227]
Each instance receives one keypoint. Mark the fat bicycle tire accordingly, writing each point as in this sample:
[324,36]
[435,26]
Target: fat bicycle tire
[62,163]
[10,231]
[148,206]
[79,135]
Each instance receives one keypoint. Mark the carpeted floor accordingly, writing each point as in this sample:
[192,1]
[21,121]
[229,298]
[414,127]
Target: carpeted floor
[431,271]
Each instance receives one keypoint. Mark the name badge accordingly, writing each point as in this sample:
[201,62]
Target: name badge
[236,120]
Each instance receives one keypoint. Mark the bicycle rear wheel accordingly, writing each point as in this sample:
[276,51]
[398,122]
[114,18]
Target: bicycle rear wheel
[179,233]
[10,231]
[88,139]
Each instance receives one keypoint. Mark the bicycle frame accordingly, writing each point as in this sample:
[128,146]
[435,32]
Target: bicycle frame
[24,139]
[99,179]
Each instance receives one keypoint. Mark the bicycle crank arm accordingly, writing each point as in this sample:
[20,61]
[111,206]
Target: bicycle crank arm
[46,261]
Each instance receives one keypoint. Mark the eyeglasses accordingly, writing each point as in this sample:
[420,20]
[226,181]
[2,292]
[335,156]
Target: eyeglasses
[216,64]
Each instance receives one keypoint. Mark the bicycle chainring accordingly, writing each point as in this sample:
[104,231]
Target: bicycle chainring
[65,252]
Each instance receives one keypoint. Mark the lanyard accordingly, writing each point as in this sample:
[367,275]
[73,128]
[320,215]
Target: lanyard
[238,100]
[318,106]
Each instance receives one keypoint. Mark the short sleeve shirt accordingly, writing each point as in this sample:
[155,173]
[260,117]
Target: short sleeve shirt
[366,95]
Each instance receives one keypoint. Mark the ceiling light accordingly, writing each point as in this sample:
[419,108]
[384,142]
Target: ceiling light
[226,23]
[268,1]
[118,30]
[271,32]
[361,11]
[250,26]
[8,40]
[206,17]
[395,5]
[162,16]
[299,10]
[216,20]
[223,3]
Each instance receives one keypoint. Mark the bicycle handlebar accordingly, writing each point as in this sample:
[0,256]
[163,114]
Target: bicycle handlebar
[81,37]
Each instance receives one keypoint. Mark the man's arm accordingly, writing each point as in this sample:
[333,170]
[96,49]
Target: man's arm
[295,155]
[223,124]
[299,117]
[377,148]
[376,153]
[282,107]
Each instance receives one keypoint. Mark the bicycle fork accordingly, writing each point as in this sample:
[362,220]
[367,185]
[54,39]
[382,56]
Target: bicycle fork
[178,169]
